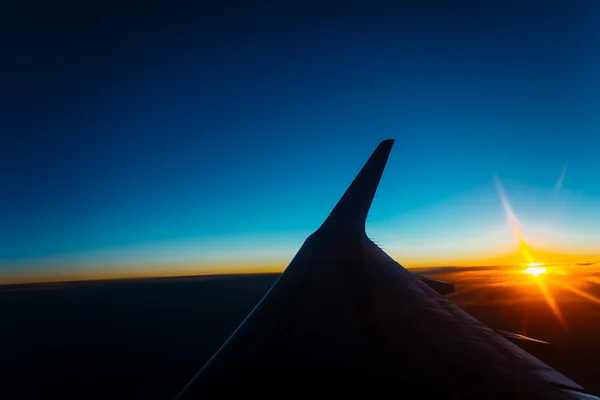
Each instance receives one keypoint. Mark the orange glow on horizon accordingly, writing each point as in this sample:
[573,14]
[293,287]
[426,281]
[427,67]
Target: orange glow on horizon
[98,272]
[141,272]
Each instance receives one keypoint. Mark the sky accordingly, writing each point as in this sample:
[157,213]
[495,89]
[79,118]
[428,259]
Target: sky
[163,138]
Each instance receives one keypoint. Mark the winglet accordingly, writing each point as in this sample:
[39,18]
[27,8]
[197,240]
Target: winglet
[350,213]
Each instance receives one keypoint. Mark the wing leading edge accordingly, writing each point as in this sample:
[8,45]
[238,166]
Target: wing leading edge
[344,316]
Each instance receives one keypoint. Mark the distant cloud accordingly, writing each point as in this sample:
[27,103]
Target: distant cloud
[454,269]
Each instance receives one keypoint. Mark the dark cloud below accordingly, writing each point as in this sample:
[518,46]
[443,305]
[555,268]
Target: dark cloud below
[150,336]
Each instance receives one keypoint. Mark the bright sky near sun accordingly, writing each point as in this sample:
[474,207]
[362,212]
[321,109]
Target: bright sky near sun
[171,141]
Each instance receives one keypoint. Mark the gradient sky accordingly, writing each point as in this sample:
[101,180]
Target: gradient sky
[155,137]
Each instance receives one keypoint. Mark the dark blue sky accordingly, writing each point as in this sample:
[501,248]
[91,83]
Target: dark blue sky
[156,123]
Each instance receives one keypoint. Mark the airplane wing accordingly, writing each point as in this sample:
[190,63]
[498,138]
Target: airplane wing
[344,316]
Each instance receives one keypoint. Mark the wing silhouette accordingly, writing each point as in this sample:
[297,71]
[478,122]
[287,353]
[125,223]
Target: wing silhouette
[345,318]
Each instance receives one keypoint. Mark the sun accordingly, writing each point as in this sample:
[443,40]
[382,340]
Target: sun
[535,269]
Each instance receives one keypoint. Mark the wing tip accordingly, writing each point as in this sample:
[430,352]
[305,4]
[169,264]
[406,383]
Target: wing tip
[350,213]
[386,145]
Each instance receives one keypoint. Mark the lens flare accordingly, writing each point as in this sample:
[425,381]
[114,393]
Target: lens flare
[534,268]
[514,223]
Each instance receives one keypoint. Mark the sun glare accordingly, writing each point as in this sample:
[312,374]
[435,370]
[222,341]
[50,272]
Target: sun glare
[535,271]
[534,264]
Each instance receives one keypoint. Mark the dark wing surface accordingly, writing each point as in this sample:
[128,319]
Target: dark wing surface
[344,318]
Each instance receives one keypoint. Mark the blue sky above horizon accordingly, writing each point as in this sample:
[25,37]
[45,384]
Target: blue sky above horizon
[134,134]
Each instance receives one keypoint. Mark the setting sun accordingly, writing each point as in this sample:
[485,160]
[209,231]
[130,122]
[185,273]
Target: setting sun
[535,271]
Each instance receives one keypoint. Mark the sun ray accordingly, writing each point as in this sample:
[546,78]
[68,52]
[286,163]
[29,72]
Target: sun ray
[593,279]
[551,302]
[579,292]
